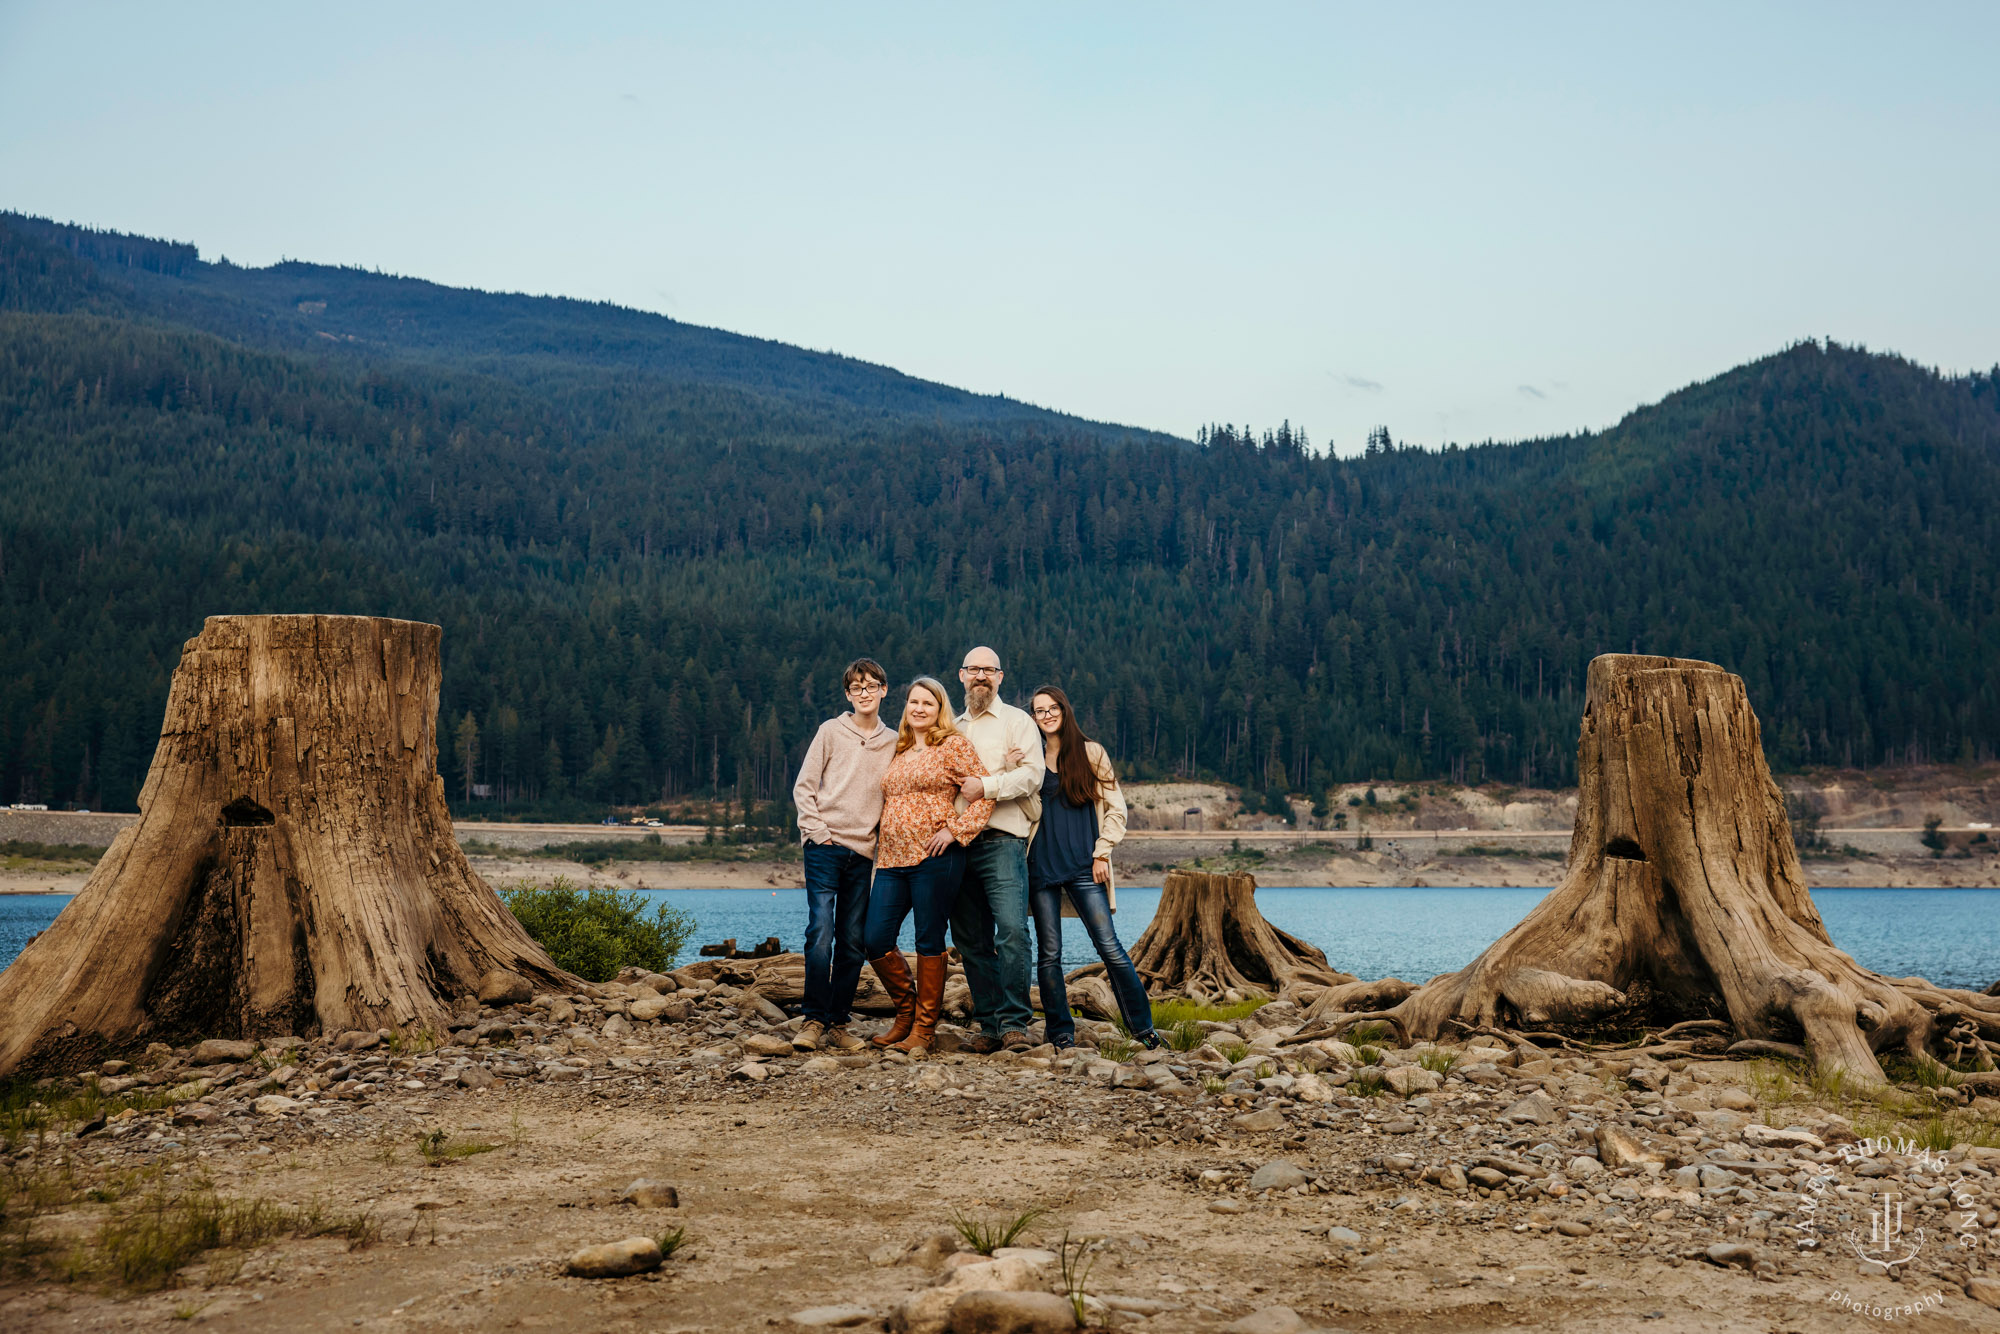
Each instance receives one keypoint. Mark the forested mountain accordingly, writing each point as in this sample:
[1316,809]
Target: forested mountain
[648,580]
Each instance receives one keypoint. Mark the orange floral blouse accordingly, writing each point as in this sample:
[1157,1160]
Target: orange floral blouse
[920,797]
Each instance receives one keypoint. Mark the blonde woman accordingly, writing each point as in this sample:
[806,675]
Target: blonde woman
[920,859]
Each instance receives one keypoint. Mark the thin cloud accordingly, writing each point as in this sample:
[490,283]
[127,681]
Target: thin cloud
[1529,390]
[1362,383]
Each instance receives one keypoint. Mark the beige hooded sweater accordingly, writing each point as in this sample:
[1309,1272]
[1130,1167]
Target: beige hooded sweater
[839,792]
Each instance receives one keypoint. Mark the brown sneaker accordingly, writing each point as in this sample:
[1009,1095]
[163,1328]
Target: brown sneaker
[980,1045]
[809,1036]
[1016,1040]
[841,1040]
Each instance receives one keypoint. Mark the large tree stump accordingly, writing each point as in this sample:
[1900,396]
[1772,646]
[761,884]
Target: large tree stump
[292,868]
[1684,900]
[1208,939]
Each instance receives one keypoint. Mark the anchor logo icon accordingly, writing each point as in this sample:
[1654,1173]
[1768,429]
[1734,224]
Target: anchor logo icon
[1885,1233]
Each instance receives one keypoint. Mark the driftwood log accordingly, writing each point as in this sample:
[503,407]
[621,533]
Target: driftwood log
[292,869]
[1206,940]
[1684,900]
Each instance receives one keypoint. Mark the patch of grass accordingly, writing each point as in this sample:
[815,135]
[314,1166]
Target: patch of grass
[1264,1070]
[1438,1061]
[733,846]
[1929,1128]
[1368,1055]
[1184,1035]
[1367,1084]
[595,932]
[1076,1266]
[1372,1032]
[144,1247]
[1773,1082]
[437,1147]
[1213,1084]
[19,854]
[670,1241]
[1234,1051]
[1177,1009]
[1118,1049]
[1926,1073]
[987,1237]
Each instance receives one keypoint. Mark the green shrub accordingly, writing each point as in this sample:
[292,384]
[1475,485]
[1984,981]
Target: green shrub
[595,932]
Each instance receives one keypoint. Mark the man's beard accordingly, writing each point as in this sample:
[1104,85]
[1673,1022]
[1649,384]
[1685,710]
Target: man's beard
[978,698]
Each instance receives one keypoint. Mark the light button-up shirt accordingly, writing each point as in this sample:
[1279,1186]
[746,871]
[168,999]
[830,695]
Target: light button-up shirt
[1001,728]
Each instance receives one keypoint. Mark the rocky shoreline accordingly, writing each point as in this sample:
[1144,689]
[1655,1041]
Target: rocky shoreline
[1247,1184]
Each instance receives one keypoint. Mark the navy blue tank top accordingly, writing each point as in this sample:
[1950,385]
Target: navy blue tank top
[1068,835]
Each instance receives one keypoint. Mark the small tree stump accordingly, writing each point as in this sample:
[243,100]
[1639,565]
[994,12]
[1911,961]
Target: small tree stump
[1208,938]
[292,868]
[1684,900]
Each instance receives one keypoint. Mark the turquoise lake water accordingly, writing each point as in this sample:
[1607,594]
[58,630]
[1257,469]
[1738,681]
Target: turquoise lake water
[1947,935]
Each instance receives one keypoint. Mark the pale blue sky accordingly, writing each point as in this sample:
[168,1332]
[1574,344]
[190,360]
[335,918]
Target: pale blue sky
[1464,221]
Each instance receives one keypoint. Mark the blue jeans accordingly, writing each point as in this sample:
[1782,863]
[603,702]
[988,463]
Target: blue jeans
[929,888]
[990,929]
[1093,909]
[836,921]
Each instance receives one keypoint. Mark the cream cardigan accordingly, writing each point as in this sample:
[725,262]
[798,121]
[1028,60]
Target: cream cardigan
[1111,818]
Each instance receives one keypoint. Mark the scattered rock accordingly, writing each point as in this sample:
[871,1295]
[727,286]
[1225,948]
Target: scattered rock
[832,1317]
[1487,1177]
[650,1194]
[219,1051]
[1261,1122]
[1729,1098]
[1535,1108]
[1012,1313]
[767,1044]
[616,1259]
[1727,1253]
[276,1104]
[1583,1165]
[1986,1290]
[1226,1207]
[617,1026]
[474,1077]
[1279,1175]
[1407,1081]
[356,1039]
[1572,1227]
[1619,1147]
[929,1251]
[1343,1236]
[1791,1137]
[114,1067]
[646,1011]
[753,1071]
[1270,1320]
[820,1065]
[501,987]
[196,1114]
[929,1311]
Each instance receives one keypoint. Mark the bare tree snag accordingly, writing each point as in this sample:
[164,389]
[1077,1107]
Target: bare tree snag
[292,868]
[1684,900]
[1207,938]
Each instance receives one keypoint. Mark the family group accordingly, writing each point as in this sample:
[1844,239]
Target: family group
[969,822]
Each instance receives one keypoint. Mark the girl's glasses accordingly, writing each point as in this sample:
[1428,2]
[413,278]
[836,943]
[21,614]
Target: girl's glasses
[1048,713]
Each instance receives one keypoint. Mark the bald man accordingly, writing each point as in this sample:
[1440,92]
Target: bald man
[990,923]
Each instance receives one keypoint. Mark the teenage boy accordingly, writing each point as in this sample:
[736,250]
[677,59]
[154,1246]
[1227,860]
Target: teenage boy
[839,801]
[990,922]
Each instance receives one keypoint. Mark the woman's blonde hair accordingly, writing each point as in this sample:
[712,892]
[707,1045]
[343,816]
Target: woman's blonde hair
[935,734]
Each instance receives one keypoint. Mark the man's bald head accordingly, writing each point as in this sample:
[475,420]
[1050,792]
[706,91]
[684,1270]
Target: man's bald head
[980,675]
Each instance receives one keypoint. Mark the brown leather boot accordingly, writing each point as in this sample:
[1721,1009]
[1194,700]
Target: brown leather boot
[930,1004]
[895,975]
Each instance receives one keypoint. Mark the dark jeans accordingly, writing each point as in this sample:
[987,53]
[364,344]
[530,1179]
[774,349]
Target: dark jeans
[1093,909]
[836,921]
[990,928]
[930,888]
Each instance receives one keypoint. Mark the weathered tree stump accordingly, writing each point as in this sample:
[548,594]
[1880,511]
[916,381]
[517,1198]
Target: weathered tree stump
[1684,900]
[1207,939]
[292,868]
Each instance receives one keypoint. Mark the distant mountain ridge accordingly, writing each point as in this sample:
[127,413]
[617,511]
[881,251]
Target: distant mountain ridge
[292,303]
[648,581]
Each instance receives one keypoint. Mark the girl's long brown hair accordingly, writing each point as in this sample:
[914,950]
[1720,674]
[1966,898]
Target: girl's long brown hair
[935,734]
[1080,783]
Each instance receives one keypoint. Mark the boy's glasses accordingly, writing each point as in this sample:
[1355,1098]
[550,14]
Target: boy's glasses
[866,689]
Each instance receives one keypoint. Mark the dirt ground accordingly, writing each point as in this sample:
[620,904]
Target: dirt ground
[800,1187]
